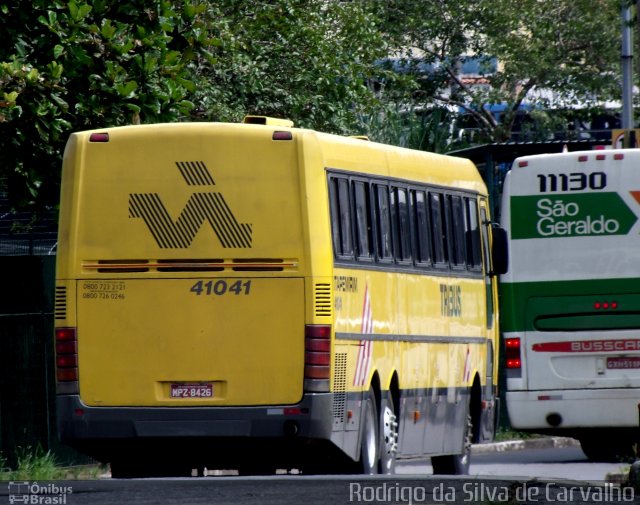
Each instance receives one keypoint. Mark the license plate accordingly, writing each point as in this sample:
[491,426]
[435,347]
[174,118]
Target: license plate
[622,363]
[191,391]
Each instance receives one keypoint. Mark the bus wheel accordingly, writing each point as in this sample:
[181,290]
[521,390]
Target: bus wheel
[607,450]
[455,464]
[388,436]
[136,469]
[368,464]
[256,469]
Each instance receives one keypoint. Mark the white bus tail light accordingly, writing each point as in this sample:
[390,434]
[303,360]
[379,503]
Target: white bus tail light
[317,357]
[512,348]
[66,360]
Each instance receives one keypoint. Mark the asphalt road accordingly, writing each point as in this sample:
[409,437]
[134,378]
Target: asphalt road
[285,490]
[538,458]
[499,476]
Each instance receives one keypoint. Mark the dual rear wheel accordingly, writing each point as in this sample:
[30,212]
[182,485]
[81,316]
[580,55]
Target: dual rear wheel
[608,449]
[456,464]
[379,441]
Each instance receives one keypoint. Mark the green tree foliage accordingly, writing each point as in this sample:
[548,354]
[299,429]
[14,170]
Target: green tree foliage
[69,65]
[308,60]
[557,54]
[76,65]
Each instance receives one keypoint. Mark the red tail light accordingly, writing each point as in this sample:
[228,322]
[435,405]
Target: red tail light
[99,137]
[605,305]
[67,361]
[512,348]
[317,356]
[66,355]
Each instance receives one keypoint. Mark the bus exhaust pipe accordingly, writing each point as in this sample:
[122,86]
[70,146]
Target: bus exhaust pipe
[290,428]
[554,419]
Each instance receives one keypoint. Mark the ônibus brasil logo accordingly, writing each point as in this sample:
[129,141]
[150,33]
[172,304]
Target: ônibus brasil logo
[578,215]
[209,206]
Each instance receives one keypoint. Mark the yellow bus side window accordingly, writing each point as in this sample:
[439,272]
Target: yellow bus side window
[440,249]
[458,253]
[383,221]
[400,220]
[474,258]
[341,221]
[363,220]
[420,218]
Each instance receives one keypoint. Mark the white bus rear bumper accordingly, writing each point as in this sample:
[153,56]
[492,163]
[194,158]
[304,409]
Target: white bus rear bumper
[576,408]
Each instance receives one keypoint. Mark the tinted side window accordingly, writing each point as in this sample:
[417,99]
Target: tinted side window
[440,247]
[474,258]
[335,216]
[458,252]
[420,221]
[344,219]
[363,220]
[383,223]
[402,231]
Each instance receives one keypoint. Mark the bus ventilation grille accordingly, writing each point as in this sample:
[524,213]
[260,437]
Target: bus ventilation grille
[340,386]
[60,307]
[322,300]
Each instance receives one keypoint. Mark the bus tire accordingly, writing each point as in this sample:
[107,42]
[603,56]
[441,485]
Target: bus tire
[120,469]
[139,469]
[369,444]
[455,464]
[388,436]
[256,469]
[606,450]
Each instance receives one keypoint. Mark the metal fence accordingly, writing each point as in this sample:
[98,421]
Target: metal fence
[27,390]
[27,367]
[24,234]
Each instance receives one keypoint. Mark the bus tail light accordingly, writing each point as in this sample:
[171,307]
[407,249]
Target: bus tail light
[512,348]
[605,305]
[66,361]
[99,137]
[317,357]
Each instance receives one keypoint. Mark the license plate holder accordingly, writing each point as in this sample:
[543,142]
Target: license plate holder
[623,363]
[191,390]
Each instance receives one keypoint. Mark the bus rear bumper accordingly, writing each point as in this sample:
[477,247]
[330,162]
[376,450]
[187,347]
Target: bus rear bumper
[77,421]
[573,409]
[211,435]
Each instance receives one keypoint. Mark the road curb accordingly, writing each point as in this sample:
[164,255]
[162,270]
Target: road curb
[529,443]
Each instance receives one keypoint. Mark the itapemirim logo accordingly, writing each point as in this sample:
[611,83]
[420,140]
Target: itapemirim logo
[201,206]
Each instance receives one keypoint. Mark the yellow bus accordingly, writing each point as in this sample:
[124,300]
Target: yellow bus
[259,297]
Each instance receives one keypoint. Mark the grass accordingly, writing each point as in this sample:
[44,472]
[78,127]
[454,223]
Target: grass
[36,464]
[504,435]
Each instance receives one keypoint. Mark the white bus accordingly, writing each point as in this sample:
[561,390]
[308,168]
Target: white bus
[571,297]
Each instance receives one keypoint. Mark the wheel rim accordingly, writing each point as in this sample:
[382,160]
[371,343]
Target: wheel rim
[465,458]
[369,441]
[389,437]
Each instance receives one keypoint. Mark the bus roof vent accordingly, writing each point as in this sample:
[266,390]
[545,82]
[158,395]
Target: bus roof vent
[269,121]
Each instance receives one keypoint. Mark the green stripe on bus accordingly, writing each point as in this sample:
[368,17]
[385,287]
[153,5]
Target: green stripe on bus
[561,216]
[562,299]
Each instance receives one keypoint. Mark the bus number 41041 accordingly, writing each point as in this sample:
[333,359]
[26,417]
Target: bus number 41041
[221,287]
